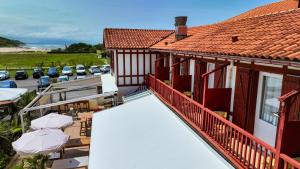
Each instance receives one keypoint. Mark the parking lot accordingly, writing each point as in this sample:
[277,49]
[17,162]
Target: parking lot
[31,83]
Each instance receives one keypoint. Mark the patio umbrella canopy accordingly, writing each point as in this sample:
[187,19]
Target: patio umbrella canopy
[52,121]
[42,141]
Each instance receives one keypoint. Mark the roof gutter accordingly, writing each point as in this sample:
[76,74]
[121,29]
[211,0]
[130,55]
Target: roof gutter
[231,57]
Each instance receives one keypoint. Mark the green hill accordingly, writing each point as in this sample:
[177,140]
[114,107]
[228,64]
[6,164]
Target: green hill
[4,42]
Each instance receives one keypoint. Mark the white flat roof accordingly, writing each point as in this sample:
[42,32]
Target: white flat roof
[11,94]
[108,83]
[145,134]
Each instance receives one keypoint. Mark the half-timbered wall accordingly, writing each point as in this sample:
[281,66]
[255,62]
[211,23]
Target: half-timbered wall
[132,65]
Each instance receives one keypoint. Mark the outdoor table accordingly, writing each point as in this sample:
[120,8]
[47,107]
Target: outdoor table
[71,163]
[78,142]
[87,115]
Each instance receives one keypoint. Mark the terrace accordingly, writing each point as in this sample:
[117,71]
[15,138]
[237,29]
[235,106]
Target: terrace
[78,99]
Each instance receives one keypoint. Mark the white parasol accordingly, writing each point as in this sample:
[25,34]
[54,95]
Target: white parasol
[52,121]
[42,141]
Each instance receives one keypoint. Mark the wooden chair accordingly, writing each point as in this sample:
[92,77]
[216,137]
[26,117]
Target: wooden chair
[83,126]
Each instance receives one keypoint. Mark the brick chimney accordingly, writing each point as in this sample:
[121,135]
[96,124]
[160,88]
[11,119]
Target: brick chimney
[180,27]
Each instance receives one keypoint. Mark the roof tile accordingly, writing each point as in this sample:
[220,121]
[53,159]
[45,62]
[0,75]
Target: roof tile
[133,38]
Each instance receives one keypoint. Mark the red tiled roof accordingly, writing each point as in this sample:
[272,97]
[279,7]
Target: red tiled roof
[272,8]
[275,36]
[115,38]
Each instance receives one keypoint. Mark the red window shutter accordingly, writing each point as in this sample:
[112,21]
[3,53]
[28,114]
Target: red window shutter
[220,77]
[176,69]
[200,68]
[245,98]
[291,83]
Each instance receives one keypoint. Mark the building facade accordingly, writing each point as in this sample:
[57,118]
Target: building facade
[246,69]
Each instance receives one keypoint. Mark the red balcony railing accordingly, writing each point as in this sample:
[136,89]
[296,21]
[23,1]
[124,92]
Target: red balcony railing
[240,147]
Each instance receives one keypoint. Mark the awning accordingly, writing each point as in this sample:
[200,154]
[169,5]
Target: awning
[144,133]
[11,94]
[108,83]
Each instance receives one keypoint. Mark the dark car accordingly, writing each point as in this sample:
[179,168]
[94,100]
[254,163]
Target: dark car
[95,70]
[43,82]
[21,74]
[37,73]
[53,72]
[8,84]
[105,68]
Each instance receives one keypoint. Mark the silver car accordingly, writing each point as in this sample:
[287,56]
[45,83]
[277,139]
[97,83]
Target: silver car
[4,75]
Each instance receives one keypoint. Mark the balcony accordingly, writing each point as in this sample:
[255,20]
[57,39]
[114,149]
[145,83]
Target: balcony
[241,148]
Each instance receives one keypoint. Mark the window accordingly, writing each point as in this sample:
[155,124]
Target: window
[271,90]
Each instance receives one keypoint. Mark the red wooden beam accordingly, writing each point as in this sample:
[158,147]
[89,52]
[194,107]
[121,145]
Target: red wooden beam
[218,68]
[175,64]
[289,95]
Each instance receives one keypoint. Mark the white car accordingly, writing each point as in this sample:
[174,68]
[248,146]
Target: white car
[80,70]
[67,71]
[4,75]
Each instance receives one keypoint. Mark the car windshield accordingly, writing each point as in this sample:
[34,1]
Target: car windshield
[4,84]
[67,68]
[52,69]
[37,69]
[80,68]
[44,80]
[21,71]
[105,67]
[2,72]
[96,70]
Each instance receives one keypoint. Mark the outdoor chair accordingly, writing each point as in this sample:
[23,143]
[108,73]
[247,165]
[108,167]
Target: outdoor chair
[83,126]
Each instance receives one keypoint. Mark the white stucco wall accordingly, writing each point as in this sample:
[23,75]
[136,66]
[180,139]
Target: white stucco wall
[135,66]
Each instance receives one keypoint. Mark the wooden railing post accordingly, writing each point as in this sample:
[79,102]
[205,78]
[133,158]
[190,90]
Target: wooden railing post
[279,135]
[203,102]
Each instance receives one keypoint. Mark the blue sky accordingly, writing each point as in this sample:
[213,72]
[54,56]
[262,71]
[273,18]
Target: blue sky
[83,20]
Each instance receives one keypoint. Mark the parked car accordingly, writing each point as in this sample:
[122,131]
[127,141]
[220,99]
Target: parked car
[4,75]
[96,71]
[43,82]
[67,71]
[105,68]
[8,84]
[52,72]
[37,73]
[80,77]
[92,68]
[80,70]
[63,78]
[21,75]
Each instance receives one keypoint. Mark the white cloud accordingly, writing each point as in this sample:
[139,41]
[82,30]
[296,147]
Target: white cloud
[35,27]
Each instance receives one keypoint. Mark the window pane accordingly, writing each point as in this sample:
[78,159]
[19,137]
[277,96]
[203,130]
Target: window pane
[269,102]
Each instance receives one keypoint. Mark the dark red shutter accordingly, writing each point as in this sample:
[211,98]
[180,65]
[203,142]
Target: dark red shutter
[176,69]
[245,98]
[220,77]
[290,136]
[200,68]
[291,83]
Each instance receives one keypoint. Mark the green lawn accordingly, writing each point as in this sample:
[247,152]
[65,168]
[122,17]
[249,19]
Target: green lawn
[29,60]
[15,61]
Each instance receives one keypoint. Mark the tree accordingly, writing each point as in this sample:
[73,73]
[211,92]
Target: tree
[80,48]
